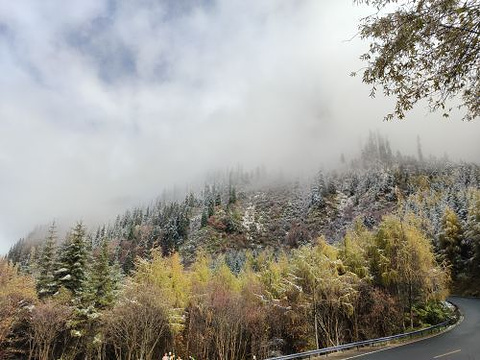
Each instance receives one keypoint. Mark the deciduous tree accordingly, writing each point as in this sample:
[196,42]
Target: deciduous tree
[450,241]
[137,327]
[472,233]
[424,49]
[406,265]
[17,292]
[47,323]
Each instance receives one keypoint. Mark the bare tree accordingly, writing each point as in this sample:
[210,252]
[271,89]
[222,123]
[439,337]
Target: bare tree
[47,322]
[137,328]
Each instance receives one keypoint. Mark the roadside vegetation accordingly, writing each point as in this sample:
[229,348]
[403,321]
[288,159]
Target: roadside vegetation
[373,283]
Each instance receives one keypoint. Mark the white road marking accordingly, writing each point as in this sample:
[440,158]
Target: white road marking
[449,353]
[367,353]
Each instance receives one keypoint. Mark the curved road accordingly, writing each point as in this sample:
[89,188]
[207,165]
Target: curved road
[460,343]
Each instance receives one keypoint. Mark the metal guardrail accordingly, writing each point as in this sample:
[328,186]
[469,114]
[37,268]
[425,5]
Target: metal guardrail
[358,344]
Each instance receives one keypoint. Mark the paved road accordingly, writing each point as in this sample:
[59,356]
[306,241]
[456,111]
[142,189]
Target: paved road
[460,343]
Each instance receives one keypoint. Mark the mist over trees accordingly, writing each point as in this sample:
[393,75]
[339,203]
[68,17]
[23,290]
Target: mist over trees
[253,264]
[108,102]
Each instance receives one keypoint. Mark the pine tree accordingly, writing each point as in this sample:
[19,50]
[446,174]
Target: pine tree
[218,199]
[210,208]
[128,263]
[46,284]
[204,220]
[73,259]
[317,192]
[232,195]
[103,282]
[419,149]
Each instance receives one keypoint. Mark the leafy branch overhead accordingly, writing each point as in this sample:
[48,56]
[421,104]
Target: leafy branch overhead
[424,49]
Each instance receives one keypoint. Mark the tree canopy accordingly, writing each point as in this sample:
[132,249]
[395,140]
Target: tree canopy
[424,49]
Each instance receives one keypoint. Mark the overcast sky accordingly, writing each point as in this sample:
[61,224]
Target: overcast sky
[104,103]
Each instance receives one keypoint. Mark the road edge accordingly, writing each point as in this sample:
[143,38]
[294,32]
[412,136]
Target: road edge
[460,319]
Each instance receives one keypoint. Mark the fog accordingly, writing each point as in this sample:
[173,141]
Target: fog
[105,103]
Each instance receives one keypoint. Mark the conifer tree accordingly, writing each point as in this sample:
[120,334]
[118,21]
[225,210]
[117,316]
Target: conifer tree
[218,199]
[128,263]
[103,282]
[73,259]
[232,195]
[317,192]
[204,220]
[46,284]
[419,149]
[210,208]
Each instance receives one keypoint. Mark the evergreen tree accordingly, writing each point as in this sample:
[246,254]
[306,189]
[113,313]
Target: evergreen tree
[183,222]
[317,192]
[210,208]
[419,149]
[29,266]
[190,200]
[46,284]
[218,199]
[73,259]
[232,195]
[128,263]
[171,237]
[103,282]
[204,220]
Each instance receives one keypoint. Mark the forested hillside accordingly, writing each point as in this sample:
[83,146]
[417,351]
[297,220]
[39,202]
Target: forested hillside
[255,263]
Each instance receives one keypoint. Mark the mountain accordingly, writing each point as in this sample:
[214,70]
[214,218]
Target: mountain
[254,263]
[239,211]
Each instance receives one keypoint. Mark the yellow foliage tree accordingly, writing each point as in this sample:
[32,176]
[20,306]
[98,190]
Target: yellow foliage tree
[450,241]
[17,291]
[405,263]
[332,291]
[355,248]
[169,277]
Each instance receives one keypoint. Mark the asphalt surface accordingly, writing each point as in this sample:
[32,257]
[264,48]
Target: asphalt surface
[460,343]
